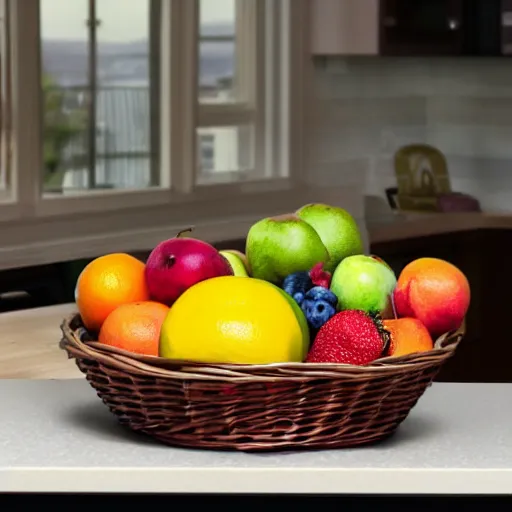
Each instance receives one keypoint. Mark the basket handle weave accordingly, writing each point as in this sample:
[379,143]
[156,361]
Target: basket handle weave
[75,347]
[156,367]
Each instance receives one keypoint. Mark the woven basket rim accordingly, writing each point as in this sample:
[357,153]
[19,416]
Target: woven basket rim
[152,366]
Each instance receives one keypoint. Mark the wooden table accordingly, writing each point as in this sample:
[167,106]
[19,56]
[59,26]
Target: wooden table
[29,344]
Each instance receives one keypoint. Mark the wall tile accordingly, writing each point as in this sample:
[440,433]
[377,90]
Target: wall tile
[487,111]
[473,140]
[366,108]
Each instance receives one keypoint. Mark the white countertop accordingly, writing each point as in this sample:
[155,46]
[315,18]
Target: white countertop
[57,436]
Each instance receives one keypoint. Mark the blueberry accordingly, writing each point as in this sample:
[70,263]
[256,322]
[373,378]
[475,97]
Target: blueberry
[297,283]
[321,293]
[299,298]
[317,312]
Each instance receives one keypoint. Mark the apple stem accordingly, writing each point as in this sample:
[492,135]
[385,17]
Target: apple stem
[188,230]
[393,306]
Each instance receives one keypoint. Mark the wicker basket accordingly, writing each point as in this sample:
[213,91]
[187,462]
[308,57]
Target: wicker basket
[256,407]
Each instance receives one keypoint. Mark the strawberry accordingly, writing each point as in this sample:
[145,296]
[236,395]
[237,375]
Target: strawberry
[319,276]
[349,337]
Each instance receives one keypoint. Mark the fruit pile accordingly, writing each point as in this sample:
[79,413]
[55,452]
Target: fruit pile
[302,292]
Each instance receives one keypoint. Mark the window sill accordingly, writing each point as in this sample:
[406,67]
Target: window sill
[67,237]
[108,200]
[9,209]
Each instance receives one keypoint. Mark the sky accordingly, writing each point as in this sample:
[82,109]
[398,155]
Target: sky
[122,20]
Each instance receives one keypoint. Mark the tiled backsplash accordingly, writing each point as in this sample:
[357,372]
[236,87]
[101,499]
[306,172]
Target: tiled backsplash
[369,107]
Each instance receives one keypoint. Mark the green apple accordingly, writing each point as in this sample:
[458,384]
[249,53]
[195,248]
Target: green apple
[237,261]
[279,246]
[363,282]
[337,229]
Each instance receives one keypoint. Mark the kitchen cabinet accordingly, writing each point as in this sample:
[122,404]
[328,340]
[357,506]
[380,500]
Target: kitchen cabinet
[431,27]
[386,27]
[411,28]
[485,354]
[344,27]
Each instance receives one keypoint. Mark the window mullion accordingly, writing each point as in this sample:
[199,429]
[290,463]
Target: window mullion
[296,61]
[225,114]
[27,103]
[262,99]
[92,85]
[155,62]
[182,90]
[216,39]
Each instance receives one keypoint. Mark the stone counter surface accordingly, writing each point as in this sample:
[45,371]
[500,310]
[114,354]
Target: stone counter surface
[57,436]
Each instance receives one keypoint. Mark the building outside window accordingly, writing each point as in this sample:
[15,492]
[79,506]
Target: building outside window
[206,149]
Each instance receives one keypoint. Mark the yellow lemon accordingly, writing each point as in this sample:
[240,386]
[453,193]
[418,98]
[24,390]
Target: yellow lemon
[233,319]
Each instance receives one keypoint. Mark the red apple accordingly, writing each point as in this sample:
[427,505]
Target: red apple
[179,263]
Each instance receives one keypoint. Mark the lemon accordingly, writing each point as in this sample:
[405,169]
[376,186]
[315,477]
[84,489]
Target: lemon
[233,319]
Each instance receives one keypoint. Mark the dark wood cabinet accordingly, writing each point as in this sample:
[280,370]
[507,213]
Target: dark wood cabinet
[432,27]
[485,354]
[445,27]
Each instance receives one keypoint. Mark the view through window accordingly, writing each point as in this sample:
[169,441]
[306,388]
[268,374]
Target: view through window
[101,76]
[215,76]
[97,95]
[227,60]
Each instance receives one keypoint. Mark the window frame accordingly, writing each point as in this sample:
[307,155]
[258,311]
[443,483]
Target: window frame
[5,114]
[35,231]
[181,113]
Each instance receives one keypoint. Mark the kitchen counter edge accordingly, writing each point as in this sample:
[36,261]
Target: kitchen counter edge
[401,481]
[413,225]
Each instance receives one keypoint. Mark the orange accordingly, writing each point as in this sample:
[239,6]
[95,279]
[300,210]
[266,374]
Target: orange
[408,336]
[108,282]
[135,327]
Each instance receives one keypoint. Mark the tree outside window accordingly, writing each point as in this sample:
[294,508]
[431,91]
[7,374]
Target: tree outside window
[64,121]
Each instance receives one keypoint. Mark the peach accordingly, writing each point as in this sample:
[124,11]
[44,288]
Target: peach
[435,292]
[407,336]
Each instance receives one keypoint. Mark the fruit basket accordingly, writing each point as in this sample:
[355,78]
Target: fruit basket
[302,342]
[256,407]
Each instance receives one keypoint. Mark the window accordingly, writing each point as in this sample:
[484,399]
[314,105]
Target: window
[130,115]
[229,86]
[99,99]
[100,92]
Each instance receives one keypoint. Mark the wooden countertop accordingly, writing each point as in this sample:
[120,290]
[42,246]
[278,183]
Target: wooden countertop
[408,225]
[29,344]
